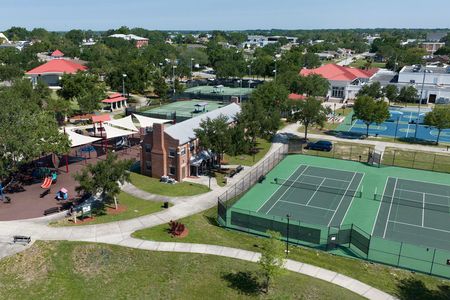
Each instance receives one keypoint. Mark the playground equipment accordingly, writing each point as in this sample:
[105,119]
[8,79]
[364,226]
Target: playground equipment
[62,194]
[47,182]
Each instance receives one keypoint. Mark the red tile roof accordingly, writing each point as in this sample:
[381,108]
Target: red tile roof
[57,53]
[112,100]
[339,73]
[296,97]
[101,118]
[58,66]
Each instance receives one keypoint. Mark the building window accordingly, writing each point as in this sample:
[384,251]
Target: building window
[183,151]
[337,92]
[172,170]
[148,148]
[192,146]
[172,152]
[148,165]
[412,81]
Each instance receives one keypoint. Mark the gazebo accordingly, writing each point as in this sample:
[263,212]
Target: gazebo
[115,102]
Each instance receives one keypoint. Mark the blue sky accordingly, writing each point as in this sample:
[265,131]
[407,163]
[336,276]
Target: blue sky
[224,15]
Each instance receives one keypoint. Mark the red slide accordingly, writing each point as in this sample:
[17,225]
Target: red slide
[47,183]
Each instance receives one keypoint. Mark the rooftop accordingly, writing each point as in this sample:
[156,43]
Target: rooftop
[339,73]
[429,69]
[184,131]
[57,66]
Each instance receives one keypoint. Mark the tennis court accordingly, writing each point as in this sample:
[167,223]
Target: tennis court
[219,90]
[188,109]
[314,195]
[401,124]
[414,212]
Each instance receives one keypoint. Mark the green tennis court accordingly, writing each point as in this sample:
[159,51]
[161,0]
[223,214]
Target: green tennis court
[190,108]
[314,195]
[219,90]
[415,212]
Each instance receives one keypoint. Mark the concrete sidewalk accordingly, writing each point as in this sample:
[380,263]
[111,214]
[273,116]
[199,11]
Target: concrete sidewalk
[346,282]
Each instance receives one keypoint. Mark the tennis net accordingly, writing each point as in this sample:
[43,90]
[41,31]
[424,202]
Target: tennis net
[318,187]
[412,203]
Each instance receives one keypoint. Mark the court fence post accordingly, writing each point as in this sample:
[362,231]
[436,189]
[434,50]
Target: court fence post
[393,158]
[414,160]
[399,254]
[432,261]
[434,162]
[351,152]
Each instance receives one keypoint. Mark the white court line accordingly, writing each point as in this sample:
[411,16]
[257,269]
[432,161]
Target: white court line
[423,209]
[279,198]
[305,205]
[329,178]
[337,208]
[379,207]
[390,207]
[280,187]
[418,226]
[351,201]
[315,192]
[417,192]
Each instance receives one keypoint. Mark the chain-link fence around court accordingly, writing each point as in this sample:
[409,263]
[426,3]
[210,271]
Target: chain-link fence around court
[417,160]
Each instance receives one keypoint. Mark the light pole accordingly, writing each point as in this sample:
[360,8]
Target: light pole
[249,70]
[275,70]
[192,60]
[123,84]
[334,112]
[287,235]
[420,101]
[173,78]
[396,127]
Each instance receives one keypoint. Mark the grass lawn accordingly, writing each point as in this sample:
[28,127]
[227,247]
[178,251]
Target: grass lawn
[203,228]
[75,270]
[361,63]
[417,160]
[220,178]
[247,159]
[152,185]
[135,207]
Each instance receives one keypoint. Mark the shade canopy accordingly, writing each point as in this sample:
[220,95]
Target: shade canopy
[77,139]
[126,123]
[113,132]
[148,122]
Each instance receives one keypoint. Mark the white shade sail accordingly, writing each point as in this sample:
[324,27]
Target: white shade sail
[77,139]
[113,132]
[148,122]
[126,123]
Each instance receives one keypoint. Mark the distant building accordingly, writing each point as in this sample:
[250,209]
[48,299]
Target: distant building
[431,47]
[262,41]
[435,81]
[56,54]
[173,150]
[436,36]
[138,41]
[52,71]
[345,82]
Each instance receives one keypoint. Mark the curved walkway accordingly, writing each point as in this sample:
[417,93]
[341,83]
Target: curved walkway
[119,233]
[346,282]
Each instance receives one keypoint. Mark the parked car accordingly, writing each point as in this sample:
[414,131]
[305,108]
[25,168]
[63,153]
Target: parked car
[320,145]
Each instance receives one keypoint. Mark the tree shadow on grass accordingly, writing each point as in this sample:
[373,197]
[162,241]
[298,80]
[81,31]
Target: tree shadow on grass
[414,289]
[244,282]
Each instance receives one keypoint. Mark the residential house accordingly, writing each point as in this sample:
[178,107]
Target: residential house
[52,71]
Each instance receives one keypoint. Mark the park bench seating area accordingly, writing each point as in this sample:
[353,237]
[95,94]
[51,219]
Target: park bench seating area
[51,210]
[236,171]
[21,239]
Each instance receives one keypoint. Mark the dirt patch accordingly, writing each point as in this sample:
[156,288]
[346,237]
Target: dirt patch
[33,264]
[91,260]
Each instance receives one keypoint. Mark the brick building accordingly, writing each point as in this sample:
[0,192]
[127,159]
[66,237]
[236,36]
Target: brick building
[173,150]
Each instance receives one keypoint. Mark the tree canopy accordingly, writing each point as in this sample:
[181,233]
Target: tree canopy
[309,113]
[370,111]
[439,117]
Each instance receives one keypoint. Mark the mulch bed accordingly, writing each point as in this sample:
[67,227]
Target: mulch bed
[109,211]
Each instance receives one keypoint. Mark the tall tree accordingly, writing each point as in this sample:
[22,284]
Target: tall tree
[372,90]
[104,178]
[370,111]
[272,258]
[391,92]
[439,117]
[310,113]
[408,94]
[214,134]
[314,85]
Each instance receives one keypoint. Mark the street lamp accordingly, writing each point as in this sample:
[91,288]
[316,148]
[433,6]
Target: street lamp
[420,101]
[287,235]
[396,127]
[173,78]
[192,60]
[275,70]
[249,70]
[123,84]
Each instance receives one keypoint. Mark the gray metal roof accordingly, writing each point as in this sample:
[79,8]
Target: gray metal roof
[184,131]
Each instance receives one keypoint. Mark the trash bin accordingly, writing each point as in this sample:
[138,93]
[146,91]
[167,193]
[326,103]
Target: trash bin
[166,204]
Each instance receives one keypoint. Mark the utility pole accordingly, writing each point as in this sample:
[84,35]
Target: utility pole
[420,100]
[123,84]
[173,78]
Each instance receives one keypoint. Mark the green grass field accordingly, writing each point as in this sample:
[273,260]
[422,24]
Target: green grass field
[75,270]
[263,147]
[203,228]
[417,160]
[180,189]
[134,207]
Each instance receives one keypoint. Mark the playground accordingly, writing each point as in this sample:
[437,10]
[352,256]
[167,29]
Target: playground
[186,109]
[349,208]
[402,124]
[38,185]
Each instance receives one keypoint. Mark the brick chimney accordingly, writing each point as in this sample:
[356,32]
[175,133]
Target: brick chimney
[159,153]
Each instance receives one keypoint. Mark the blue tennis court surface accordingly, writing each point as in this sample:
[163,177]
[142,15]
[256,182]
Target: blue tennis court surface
[401,124]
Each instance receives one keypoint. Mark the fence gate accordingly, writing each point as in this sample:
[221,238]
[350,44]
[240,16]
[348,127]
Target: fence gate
[333,238]
[375,157]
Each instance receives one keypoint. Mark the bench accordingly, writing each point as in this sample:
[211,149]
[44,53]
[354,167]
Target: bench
[261,178]
[232,173]
[44,193]
[239,168]
[21,239]
[51,210]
